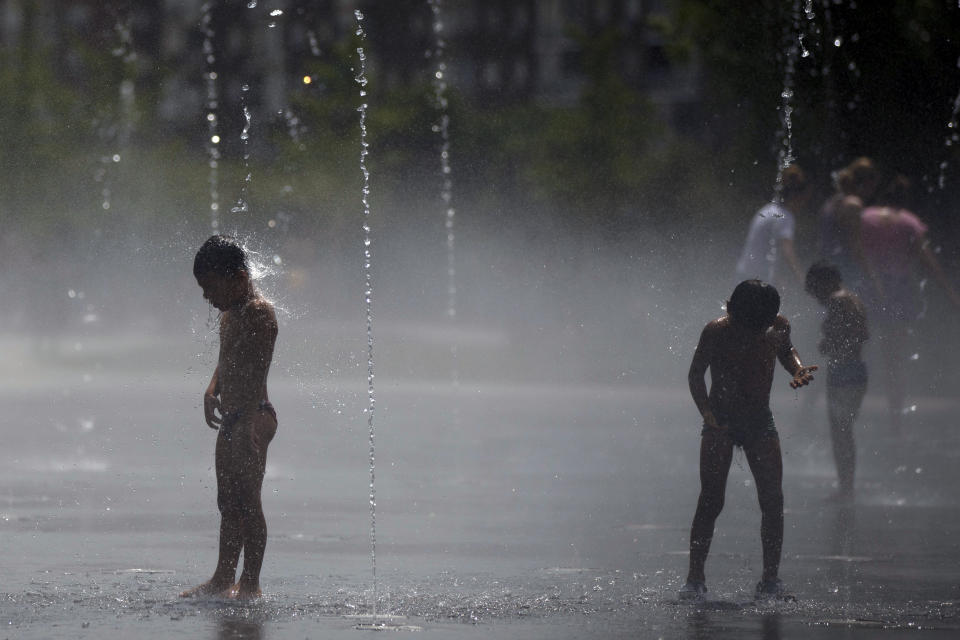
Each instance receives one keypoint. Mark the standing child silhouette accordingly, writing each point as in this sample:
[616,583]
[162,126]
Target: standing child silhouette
[246,422]
[740,349]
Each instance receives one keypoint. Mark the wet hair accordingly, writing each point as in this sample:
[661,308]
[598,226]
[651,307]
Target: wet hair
[793,181]
[858,173]
[896,193]
[221,255]
[823,275]
[754,304]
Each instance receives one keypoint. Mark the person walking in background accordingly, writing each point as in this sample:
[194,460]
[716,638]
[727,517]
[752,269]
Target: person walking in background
[769,249]
[843,333]
[894,243]
[840,242]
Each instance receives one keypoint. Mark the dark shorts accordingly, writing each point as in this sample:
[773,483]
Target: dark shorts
[746,430]
[847,374]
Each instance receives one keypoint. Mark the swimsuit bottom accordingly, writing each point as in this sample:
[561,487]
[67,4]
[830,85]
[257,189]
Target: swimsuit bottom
[747,430]
[847,374]
[230,419]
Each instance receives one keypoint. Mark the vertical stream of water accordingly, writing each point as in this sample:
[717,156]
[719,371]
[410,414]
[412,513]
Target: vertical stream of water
[794,47]
[361,80]
[442,128]
[212,106]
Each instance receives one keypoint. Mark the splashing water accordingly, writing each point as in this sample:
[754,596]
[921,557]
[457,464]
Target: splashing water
[314,45]
[294,127]
[213,104]
[952,137]
[361,80]
[122,129]
[795,40]
[241,205]
[442,127]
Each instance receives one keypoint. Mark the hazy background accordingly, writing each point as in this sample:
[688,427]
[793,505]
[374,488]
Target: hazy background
[606,158]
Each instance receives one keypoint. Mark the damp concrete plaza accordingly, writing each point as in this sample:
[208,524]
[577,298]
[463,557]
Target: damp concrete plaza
[505,509]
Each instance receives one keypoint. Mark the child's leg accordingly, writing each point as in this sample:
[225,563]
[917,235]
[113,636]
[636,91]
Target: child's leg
[843,405]
[766,465]
[253,525]
[716,454]
[228,502]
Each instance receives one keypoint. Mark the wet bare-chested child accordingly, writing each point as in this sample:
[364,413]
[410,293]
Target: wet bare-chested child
[741,350]
[236,405]
[844,331]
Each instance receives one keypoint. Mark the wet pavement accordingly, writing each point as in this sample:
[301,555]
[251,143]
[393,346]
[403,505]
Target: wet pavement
[506,509]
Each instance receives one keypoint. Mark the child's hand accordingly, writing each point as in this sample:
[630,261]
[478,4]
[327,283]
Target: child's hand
[211,403]
[711,421]
[803,377]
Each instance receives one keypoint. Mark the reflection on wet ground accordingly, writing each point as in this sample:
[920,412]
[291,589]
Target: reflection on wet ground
[545,512]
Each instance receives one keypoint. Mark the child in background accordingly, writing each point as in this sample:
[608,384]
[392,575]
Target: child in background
[844,331]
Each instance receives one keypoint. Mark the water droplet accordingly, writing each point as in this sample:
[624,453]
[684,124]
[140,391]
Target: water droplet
[252,4]
[276,12]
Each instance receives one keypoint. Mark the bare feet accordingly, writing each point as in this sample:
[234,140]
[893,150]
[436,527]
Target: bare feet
[244,592]
[208,588]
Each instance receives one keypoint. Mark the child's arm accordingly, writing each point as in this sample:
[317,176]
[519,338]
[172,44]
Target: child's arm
[695,377]
[211,401]
[929,260]
[789,358]
[790,255]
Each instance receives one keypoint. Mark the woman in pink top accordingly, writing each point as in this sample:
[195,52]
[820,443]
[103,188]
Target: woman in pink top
[894,240]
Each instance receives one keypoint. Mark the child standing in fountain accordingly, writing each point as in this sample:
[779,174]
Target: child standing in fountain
[844,332]
[246,422]
[741,349]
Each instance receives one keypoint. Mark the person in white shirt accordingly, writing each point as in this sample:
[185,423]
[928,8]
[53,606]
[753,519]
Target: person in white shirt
[769,246]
